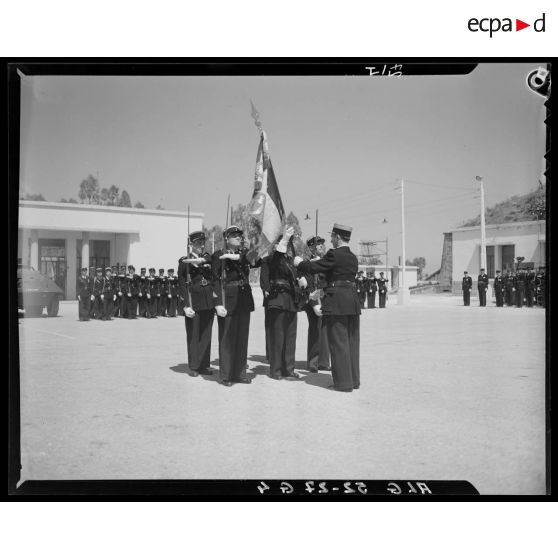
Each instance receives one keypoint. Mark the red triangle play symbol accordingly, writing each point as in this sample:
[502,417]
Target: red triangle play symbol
[519,25]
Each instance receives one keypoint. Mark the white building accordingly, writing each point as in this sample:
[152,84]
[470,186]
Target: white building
[60,238]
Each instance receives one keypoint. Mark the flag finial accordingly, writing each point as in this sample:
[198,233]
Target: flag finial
[256,117]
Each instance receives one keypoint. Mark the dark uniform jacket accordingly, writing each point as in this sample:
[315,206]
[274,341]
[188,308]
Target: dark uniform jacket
[201,286]
[466,283]
[339,266]
[120,284]
[381,283]
[84,286]
[499,284]
[103,286]
[173,285]
[238,294]
[150,285]
[360,284]
[482,281]
[316,281]
[372,285]
[520,281]
[142,285]
[279,280]
[161,288]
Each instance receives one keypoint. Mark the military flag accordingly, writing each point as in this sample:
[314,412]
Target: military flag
[265,212]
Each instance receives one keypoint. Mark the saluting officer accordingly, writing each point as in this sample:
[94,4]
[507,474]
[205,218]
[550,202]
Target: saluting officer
[499,288]
[381,281]
[233,304]
[510,288]
[195,279]
[318,347]
[360,283]
[372,288]
[282,308]
[162,292]
[466,287]
[172,297]
[85,295]
[340,307]
[151,293]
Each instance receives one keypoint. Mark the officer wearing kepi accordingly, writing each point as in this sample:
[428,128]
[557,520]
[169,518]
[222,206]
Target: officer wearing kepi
[360,283]
[85,295]
[195,280]
[372,288]
[172,297]
[143,302]
[510,288]
[340,307]
[466,287]
[162,293]
[382,289]
[233,304]
[131,294]
[482,286]
[499,288]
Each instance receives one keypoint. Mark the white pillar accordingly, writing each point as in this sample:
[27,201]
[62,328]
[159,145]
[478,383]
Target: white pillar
[84,251]
[71,263]
[403,294]
[34,249]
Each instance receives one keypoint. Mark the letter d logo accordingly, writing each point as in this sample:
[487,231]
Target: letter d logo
[539,24]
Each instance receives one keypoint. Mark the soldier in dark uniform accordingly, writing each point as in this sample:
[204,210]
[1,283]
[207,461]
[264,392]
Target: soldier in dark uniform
[151,293]
[128,307]
[360,283]
[162,293]
[85,295]
[340,307]
[233,304]
[120,288]
[92,282]
[381,281]
[282,308]
[318,347]
[499,289]
[172,297]
[143,302]
[466,287]
[519,288]
[264,285]
[482,286]
[97,290]
[195,280]
[371,288]
[115,280]
[530,288]
[510,288]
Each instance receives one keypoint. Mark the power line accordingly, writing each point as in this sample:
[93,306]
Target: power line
[439,185]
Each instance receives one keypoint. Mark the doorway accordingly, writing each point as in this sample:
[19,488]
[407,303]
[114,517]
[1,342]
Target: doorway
[52,261]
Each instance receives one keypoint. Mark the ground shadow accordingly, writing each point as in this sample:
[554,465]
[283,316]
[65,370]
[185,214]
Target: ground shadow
[258,358]
[317,379]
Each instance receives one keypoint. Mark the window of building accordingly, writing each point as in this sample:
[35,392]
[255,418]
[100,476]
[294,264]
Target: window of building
[508,257]
[490,262]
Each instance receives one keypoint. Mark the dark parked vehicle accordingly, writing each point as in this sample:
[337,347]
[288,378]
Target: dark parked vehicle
[35,292]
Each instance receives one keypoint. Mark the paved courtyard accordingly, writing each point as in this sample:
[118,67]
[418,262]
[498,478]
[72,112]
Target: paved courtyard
[448,392]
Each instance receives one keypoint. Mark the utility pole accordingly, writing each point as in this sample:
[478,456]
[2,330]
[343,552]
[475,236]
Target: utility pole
[482,224]
[403,294]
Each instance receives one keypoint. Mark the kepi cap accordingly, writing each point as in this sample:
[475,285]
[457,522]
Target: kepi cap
[342,230]
[232,231]
[197,235]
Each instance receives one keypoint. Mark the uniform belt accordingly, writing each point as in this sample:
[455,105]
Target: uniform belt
[342,283]
[240,283]
[203,282]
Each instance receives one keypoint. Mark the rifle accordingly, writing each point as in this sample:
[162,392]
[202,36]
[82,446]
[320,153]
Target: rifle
[188,278]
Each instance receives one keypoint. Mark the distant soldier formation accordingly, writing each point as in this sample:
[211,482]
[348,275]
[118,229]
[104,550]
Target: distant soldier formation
[523,287]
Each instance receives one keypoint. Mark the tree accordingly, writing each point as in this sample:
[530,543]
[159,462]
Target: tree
[33,197]
[160,207]
[105,196]
[139,205]
[63,200]
[125,200]
[89,190]
[113,195]
[72,200]
[419,262]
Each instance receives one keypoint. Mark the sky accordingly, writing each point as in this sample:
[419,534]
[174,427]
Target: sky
[339,145]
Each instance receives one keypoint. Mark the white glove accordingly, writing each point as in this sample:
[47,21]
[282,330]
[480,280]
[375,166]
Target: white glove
[113,297]
[221,311]
[140,294]
[317,310]
[190,312]
[148,295]
[288,233]
[234,257]
[315,295]
[79,298]
[169,296]
[119,293]
[297,260]
[102,297]
[302,282]
[129,294]
[194,260]
[92,297]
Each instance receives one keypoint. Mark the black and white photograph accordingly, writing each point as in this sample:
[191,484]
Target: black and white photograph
[312,280]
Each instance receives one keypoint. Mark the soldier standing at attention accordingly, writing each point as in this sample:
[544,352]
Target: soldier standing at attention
[510,288]
[482,286]
[233,304]
[360,283]
[195,280]
[466,287]
[92,283]
[151,293]
[162,293]
[120,288]
[499,288]
[97,290]
[143,302]
[519,288]
[131,294]
[382,289]
[108,295]
[85,295]
[530,288]
[172,297]
[340,307]
[115,287]
[372,287]
[318,347]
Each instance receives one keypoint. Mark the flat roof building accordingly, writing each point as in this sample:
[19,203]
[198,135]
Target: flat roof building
[60,238]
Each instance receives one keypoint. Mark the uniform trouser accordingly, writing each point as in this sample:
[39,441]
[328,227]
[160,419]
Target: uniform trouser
[509,297]
[362,298]
[97,308]
[371,299]
[529,298]
[318,348]
[152,306]
[344,343]
[233,346]
[466,297]
[108,307]
[171,309]
[162,305]
[382,297]
[116,306]
[198,339]
[499,297]
[282,341]
[267,333]
[519,295]
[84,308]
[482,297]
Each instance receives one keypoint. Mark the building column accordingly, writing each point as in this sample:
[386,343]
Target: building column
[71,263]
[34,249]
[84,250]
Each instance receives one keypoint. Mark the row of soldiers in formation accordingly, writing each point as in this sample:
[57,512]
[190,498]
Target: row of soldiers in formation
[368,286]
[104,294]
[323,287]
[522,288]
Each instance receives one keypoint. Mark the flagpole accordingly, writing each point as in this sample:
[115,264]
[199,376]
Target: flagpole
[316,222]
